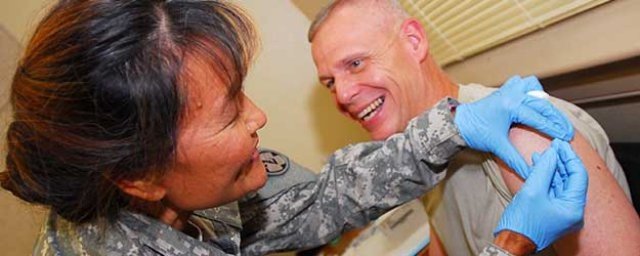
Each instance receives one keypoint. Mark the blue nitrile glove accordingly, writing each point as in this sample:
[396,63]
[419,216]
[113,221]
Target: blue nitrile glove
[485,124]
[543,212]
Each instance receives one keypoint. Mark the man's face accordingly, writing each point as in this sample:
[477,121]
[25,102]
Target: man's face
[369,67]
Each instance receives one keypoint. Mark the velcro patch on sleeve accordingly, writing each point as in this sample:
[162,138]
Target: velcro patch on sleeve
[274,162]
[283,174]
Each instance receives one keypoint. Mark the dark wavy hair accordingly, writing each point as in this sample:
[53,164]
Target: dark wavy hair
[99,94]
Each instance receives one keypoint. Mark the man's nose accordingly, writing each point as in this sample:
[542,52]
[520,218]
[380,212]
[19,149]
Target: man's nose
[346,90]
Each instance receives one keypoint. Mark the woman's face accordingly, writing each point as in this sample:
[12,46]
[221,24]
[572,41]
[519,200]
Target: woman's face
[217,160]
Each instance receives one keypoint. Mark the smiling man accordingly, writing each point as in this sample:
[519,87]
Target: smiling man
[377,67]
[375,60]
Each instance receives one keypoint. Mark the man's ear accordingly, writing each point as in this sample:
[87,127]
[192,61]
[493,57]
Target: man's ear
[416,38]
[142,189]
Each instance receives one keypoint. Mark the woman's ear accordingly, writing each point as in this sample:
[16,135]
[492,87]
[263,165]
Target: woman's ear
[142,189]
[416,38]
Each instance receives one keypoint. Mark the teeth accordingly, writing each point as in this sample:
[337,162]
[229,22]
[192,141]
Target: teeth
[370,109]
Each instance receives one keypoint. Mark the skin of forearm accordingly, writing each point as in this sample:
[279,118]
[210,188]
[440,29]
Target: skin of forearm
[514,243]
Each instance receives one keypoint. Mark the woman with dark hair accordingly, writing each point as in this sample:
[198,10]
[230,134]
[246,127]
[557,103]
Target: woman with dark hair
[131,125]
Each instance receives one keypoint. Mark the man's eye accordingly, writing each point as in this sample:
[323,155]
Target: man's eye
[356,63]
[330,84]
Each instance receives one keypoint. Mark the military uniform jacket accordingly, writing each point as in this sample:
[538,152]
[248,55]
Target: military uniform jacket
[295,210]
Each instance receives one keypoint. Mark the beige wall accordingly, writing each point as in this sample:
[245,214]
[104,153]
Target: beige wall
[20,16]
[18,221]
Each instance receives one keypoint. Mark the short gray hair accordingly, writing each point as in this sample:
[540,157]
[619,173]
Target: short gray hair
[393,6]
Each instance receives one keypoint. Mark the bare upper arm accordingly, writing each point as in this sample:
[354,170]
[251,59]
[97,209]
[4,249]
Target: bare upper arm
[611,223]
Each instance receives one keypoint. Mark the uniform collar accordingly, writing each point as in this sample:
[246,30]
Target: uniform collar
[164,240]
[228,214]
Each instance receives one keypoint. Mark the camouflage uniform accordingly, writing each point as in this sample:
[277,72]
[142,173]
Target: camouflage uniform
[494,250]
[295,209]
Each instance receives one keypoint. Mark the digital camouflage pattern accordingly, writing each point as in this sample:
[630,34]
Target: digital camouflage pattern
[137,234]
[493,250]
[359,183]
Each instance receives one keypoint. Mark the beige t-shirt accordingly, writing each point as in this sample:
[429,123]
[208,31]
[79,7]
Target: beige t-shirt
[465,208]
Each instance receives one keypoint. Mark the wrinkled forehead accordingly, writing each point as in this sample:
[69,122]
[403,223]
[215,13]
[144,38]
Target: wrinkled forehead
[351,28]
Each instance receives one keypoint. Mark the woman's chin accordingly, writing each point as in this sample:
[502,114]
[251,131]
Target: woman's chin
[260,178]
[255,178]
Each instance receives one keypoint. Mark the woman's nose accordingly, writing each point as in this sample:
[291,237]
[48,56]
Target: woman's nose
[255,118]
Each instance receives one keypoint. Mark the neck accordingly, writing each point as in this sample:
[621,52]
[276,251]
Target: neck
[175,218]
[436,83]
[166,213]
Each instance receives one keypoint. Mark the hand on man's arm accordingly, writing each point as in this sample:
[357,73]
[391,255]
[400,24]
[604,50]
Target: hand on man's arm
[608,209]
[485,124]
[545,209]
